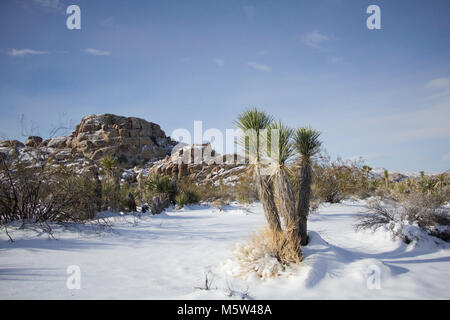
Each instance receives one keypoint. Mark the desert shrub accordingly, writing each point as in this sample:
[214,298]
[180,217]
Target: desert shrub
[111,196]
[334,181]
[207,191]
[186,197]
[436,186]
[116,197]
[424,210]
[34,189]
[109,119]
[267,253]
[80,197]
[158,204]
[245,190]
[379,215]
[417,209]
[128,193]
[445,194]
[315,201]
[108,163]
[158,185]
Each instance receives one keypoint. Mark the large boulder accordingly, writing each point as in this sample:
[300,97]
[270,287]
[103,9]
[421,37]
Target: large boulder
[58,142]
[11,144]
[33,141]
[199,163]
[131,140]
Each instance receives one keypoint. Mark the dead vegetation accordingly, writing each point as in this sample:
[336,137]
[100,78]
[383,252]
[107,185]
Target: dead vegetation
[267,253]
[422,211]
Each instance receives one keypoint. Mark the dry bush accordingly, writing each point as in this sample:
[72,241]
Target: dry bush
[111,196]
[334,181]
[445,194]
[315,201]
[116,197]
[161,186]
[78,197]
[202,192]
[33,189]
[425,210]
[245,190]
[158,204]
[415,209]
[267,253]
[378,216]
[186,197]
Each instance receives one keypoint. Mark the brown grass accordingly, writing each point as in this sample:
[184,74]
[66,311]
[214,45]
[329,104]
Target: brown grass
[268,253]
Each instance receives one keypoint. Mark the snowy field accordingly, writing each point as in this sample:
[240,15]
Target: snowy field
[167,256]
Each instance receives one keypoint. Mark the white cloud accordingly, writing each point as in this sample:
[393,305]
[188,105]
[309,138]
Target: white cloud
[24,52]
[422,124]
[441,85]
[259,67]
[446,157]
[336,59]
[249,11]
[53,4]
[96,52]
[315,39]
[219,62]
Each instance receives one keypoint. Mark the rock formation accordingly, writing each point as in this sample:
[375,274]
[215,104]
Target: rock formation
[199,163]
[131,140]
[140,147]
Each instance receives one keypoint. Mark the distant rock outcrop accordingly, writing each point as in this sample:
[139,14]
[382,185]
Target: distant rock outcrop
[131,140]
[200,163]
[33,141]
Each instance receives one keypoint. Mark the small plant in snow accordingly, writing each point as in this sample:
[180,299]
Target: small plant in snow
[209,279]
[230,291]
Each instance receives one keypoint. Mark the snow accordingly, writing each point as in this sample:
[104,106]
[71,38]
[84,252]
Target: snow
[167,257]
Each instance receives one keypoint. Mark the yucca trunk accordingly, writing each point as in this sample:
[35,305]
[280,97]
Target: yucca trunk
[285,196]
[265,195]
[287,205]
[303,199]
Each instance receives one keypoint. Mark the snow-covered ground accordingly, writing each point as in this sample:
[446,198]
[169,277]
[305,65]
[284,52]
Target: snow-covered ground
[167,256]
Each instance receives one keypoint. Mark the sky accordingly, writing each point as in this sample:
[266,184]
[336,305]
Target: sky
[383,95]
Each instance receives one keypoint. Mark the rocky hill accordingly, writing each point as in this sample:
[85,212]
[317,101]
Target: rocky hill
[140,147]
[131,140]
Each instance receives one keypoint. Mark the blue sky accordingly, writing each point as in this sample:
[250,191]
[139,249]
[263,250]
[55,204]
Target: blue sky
[380,94]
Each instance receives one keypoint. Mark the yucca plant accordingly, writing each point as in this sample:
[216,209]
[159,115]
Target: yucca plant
[186,197]
[280,150]
[109,164]
[252,122]
[161,186]
[279,142]
[386,179]
[441,182]
[111,171]
[307,144]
